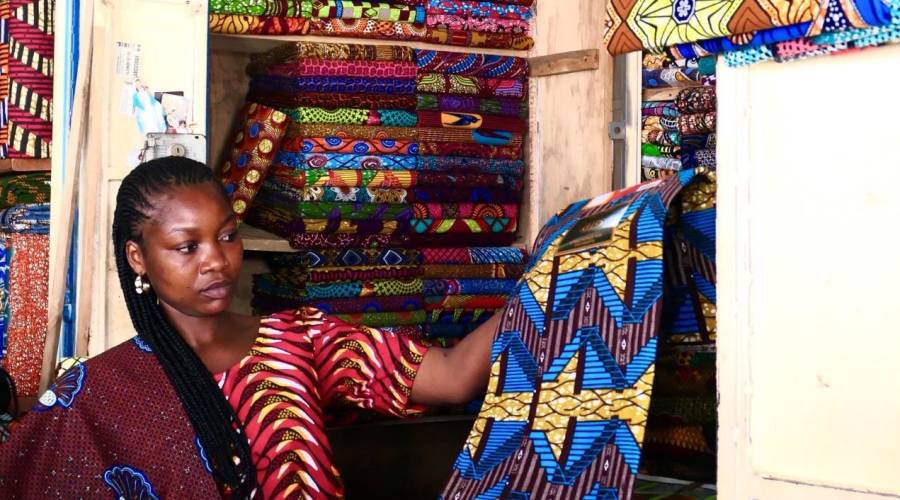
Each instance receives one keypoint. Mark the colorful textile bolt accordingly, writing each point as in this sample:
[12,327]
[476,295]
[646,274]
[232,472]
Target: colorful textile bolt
[294,51]
[360,9]
[499,40]
[654,25]
[352,116]
[333,144]
[332,100]
[448,102]
[476,136]
[670,77]
[27,113]
[26,330]
[661,137]
[345,161]
[470,150]
[462,120]
[437,83]
[391,179]
[653,108]
[17,189]
[699,158]
[339,84]
[697,123]
[665,151]
[606,287]
[483,24]
[483,65]
[353,131]
[470,8]
[659,123]
[29,218]
[253,149]
[661,162]
[338,67]
[696,100]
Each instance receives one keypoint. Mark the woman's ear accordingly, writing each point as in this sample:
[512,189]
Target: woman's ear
[135,257]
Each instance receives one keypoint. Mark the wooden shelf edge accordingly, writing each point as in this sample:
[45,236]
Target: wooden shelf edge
[24,165]
[664,94]
[257,240]
[565,62]
[252,44]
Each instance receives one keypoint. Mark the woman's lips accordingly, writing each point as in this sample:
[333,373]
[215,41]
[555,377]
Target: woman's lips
[218,291]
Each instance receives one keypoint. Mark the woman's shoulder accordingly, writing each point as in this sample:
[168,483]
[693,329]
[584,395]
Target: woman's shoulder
[115,369]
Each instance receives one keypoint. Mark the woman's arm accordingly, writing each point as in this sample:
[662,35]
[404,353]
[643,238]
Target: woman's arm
[456,375]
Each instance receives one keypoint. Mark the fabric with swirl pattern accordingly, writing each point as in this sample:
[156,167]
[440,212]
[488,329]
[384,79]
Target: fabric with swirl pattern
[340,84]
[484,24]
[485,137]
[483,65]
[488,106]
[303,363]
[353,116]
[470,150]
[422,195]
[479,9]
[337,67]
[391,179]
[697,123]
[460,120]
[501,40]
[334,144]
[437,83]
[345,161]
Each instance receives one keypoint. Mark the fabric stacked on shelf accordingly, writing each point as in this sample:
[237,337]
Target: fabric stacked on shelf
[26,78]
[397,172]
[24,276]
[441,293]
[678,134]
[500,24]
[740,31]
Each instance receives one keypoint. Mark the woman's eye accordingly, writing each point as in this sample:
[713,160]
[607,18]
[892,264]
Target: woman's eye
[230,236]
[187,249]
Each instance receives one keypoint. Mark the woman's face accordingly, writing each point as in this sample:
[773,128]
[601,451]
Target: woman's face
[191,252]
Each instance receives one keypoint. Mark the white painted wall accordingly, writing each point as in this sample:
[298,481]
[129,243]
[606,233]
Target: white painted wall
[809,307]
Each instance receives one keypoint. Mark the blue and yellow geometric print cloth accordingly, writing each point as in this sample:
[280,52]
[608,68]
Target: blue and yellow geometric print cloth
[573,360]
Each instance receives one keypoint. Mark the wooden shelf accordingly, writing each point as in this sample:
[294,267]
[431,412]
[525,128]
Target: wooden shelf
[24,165]
[665,94]
[252,44]
[256,239]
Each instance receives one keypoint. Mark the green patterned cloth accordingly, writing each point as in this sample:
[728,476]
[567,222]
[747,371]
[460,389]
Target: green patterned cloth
[284,8]
[19,189]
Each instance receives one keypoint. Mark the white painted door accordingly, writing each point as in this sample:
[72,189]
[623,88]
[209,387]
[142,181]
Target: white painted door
[809,339]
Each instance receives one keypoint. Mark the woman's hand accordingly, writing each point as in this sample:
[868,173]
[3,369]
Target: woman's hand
[450,376]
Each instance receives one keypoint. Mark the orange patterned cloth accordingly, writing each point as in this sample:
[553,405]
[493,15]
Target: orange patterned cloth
[27,331]
[302,363]
[253,150]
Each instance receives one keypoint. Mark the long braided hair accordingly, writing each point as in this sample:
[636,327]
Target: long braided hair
[213,419]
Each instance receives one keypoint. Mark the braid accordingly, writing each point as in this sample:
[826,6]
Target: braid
[212,418]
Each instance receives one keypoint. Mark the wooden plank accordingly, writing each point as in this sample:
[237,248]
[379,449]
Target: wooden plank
[570,153]
[252,44]
[256,239]
[565,62]
[63,201]
[25,165]
[664,94]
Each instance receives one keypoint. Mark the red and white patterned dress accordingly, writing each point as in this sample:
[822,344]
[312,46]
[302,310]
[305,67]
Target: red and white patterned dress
[303,363]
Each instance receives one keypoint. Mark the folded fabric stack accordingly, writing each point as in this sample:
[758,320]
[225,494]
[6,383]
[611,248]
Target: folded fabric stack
[678,134]
[24,279]
[440,293]
[397,172]
[808,28]
[502,24]
[26,78]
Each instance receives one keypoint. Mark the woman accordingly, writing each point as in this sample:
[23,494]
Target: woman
[205,402]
